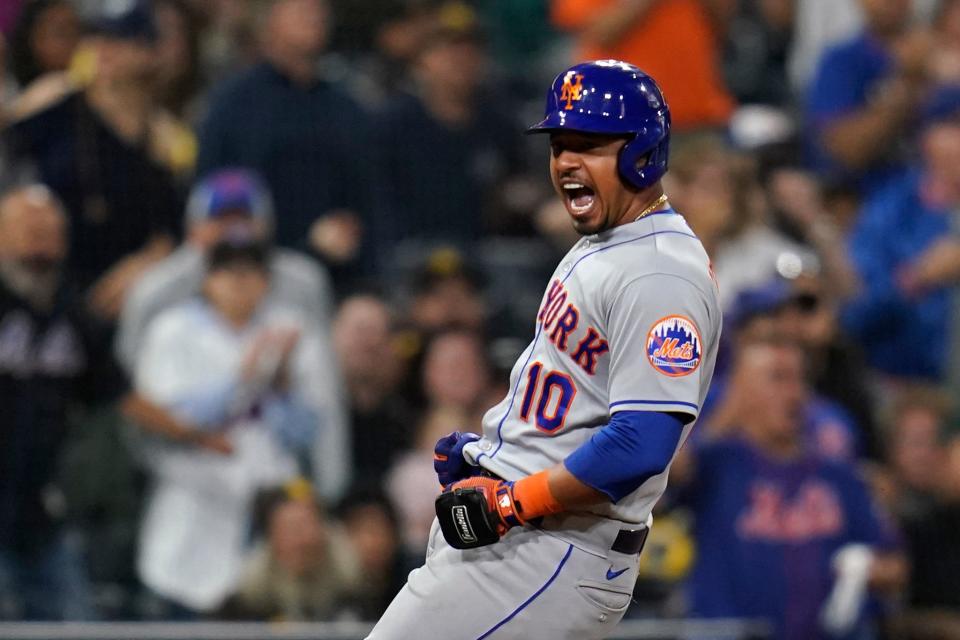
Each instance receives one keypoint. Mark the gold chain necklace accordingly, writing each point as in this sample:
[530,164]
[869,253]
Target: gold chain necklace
[662,200]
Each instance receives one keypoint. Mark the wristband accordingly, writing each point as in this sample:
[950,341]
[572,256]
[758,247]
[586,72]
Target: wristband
[533,497]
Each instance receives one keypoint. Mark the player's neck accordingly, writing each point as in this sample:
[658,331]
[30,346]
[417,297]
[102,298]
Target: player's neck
[645,202]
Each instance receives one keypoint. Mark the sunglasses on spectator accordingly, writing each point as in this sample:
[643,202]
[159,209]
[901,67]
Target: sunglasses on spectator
[806,302]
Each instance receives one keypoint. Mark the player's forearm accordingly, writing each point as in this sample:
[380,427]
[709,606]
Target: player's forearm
[567,491]
[624,454]
[571,492]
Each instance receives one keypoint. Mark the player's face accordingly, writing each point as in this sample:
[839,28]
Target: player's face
[583,168]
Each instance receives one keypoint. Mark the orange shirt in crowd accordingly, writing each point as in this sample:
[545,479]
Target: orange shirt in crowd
[674,42]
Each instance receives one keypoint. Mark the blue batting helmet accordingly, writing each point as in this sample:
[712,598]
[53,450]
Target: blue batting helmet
[613,97]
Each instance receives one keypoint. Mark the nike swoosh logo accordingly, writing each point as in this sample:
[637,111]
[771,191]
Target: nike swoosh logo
[611,574]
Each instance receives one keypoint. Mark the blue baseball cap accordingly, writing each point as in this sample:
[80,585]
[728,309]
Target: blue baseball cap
[230,190]
[762,300]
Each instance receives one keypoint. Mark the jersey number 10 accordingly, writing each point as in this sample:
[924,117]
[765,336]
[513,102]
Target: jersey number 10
[554,393]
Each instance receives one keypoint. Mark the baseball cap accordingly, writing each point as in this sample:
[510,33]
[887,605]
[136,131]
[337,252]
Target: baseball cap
[229,190]
[771,298]
[443,264]
[126,20]
[762,300]
[454,21]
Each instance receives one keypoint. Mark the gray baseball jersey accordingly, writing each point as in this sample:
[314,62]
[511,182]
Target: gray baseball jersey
[630,321]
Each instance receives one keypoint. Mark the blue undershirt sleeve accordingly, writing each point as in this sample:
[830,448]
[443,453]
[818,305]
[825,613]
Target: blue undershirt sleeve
[632,448]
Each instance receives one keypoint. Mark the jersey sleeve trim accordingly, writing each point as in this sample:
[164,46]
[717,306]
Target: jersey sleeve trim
[656,405]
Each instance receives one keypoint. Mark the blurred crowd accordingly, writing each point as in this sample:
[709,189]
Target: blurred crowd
[257,256]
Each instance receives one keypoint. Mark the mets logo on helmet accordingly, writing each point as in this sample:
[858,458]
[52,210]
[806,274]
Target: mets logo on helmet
[673,346]
[572,89]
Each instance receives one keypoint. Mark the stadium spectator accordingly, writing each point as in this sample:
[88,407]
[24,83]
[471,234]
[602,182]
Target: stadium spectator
[52,362]
[834,366]
[861,102]
[916,457]
[388,38]
[179,72]
[456,374]
[303,569]
[230,203]
[803,209]
[111,154]
[372,528]
[905,252]
[817,26]
[44,39]
[756,40]
[412,484]
[774,523]
[229,42]
[447,294]
[644,33]
[717,192]
[366,344]
[312,155]
[447,127]
[776,309]
[253,378]
[934,591]
[710,185]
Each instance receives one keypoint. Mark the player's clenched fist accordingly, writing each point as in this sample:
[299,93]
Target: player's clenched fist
[479,510]
[448,460]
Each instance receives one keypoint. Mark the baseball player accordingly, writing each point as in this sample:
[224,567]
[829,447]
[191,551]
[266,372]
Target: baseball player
[539,530]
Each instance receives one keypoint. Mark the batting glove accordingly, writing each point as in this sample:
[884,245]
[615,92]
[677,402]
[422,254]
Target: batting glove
[478,511]
[448,460]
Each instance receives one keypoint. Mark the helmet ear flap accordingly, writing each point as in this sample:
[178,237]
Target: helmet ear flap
[631,161]
[642,166]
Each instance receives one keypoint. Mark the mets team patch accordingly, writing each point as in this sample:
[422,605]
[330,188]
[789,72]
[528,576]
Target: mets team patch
[673,346]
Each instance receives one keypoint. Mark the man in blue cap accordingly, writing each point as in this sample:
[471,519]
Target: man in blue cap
[228,204]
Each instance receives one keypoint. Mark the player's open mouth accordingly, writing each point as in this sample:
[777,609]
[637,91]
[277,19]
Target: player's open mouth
[580,197]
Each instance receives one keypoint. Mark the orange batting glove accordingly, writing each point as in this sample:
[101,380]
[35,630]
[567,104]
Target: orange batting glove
[512,504]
